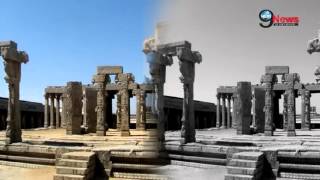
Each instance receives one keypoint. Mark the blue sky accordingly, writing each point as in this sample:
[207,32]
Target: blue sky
[67,39]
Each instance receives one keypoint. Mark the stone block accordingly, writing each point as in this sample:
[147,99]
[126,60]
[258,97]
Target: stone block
[72,170]
[73,107]
[68,177]
[254,156]
[241,170]
[243,107]
[111,70]
[258,109]
[277,70]
[74,163]
[244,163]
[89,104]
[238,177]
[85,156]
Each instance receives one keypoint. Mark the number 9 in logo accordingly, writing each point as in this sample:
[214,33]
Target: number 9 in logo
[266,16]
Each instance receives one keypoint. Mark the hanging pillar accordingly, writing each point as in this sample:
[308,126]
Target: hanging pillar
[224,120]
[243,107]
[290,81]
[12,66]
[52,114]
[138,108]
[46,111]
[307,111]
[63,111]
[218,111]
[57,110]
[187,60]
[228,111]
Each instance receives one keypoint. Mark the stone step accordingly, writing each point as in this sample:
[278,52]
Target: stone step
[25,159]
[244,163]
[74,163]
[124,175]
[68,177]
[238,177]
[241,170]
[299,176]
[133,166]
[254,156]
[72,170]
[208,160]
[304,167]
[85,156]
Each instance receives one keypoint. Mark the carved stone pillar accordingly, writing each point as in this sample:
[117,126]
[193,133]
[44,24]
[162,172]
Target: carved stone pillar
[234,119]
[90,115]
[12,66]
[100,83]
[187,60]
[73,107]
[46,111]
[52,112]
[224,121]
[143,110]
[63,111]
[228,112]
[118,112]
[57,110]
[125,101]
[291,79]
[268,80]
[138,108]
[285,111]
[218,111]
[303,108]
[307,113]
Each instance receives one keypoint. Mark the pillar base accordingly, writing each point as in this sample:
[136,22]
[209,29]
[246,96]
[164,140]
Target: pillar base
[223,127]
[305,128]
[291,133]
[52,127]
[101,133]
[141,128]
[268,133]
[125,133]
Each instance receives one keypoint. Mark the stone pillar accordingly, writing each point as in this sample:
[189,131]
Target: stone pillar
[118,112]
[138,108]
[12,66]
[234,118]
[52,112]
[243,107]
[46,111]
[285,111]
[223,112]
[187,60]
[291,79]
[57,110]
[100,83]
[307,113]
[90,99]
[125,101]
[218,111]
[268,80]
[63,112]
[23,122]
[228,111]
[73,107]
[303,108]
[109,114]
[143,110]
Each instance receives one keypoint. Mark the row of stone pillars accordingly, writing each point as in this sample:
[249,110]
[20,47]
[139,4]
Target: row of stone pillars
[224,116]
[52,119]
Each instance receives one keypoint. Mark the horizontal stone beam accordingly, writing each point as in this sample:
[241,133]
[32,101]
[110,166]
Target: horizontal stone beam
[54,89]
[226,89]
[277,70]
[171,48]
[111,70]
[8,44]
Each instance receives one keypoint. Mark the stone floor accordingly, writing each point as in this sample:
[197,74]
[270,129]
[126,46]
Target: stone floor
[18,173]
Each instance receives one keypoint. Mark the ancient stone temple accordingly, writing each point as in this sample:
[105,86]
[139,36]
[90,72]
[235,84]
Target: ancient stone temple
[88,108]
[12,66]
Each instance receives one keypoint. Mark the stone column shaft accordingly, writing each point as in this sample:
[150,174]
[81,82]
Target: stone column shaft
[46,111]
[285,111]
[138,108]
[57,111]
[268,108]
[143,110]
[52,112]
[101,109]
[118,112]
[303,109]
[224,120]
[228,112]
[307,111]
[218,111]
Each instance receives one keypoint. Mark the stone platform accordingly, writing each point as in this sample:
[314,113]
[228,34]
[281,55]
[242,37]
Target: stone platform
[115,153]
